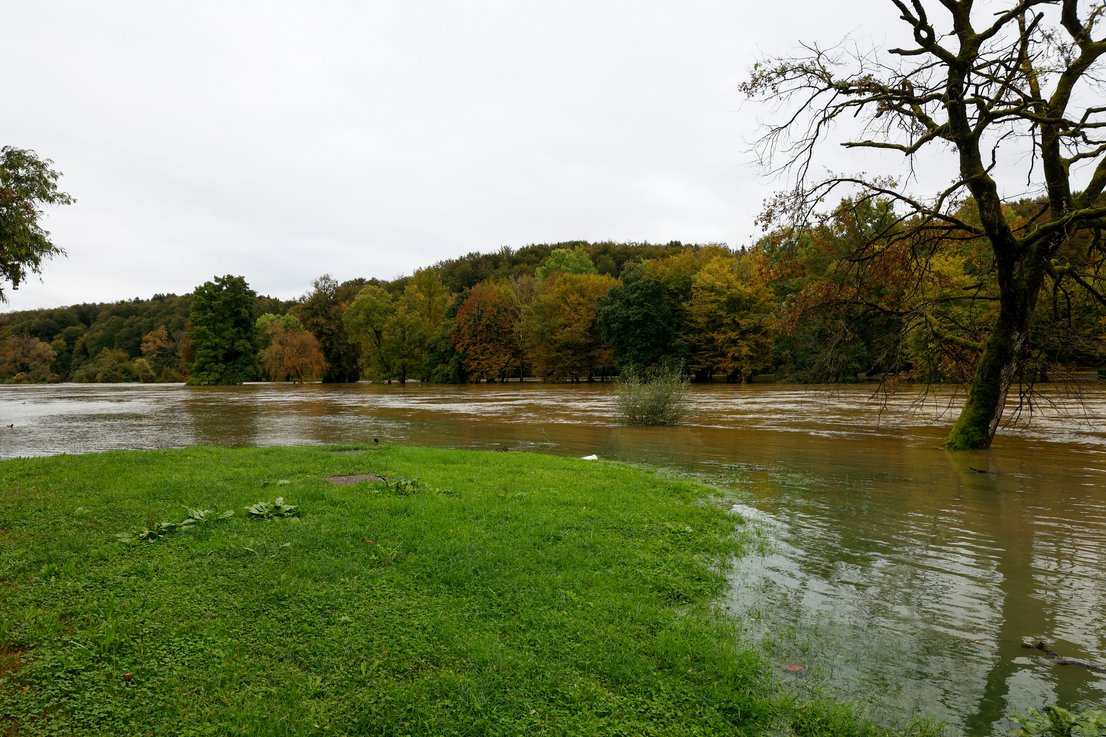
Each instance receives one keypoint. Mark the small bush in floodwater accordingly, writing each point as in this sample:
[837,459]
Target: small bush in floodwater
[657,396]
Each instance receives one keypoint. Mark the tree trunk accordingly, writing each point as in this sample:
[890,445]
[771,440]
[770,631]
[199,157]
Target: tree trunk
[1002,360]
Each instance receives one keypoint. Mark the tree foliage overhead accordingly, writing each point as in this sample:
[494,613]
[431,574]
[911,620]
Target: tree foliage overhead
[27,184]
[986,90]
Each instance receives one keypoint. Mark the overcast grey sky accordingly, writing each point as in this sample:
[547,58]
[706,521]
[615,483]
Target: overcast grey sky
[283,140]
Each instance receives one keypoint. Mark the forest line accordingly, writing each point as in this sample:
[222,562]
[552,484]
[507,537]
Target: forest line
[797,306]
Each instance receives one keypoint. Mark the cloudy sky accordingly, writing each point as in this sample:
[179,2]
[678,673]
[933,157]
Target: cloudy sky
[283,140]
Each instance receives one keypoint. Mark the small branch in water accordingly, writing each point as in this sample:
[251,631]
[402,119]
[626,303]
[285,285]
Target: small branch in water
[1060,659]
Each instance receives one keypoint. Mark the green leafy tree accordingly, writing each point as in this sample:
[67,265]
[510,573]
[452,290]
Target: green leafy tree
[366,321]
[27,183]
[568,261]
[645,318]
[222,339]
[640,320]
[321,313]
[395,332]
[143,371]
[420,312]
[406,336]
[110,366]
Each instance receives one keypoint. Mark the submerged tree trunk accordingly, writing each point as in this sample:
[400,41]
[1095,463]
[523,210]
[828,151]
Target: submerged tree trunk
[1004,356]
[1002,360]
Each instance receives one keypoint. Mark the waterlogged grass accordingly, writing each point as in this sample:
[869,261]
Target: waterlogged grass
[467,594]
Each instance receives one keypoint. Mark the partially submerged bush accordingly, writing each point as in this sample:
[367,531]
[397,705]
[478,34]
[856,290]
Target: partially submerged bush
[656,396]
[1054,721]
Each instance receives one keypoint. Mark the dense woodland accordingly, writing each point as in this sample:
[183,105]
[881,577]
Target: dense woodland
[798,306]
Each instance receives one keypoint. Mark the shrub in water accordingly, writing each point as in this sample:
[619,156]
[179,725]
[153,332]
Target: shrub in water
[656,396]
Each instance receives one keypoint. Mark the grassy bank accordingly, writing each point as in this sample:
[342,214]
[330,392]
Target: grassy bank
[470,593]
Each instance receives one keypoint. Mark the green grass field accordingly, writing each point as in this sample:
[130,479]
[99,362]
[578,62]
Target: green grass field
[469,594]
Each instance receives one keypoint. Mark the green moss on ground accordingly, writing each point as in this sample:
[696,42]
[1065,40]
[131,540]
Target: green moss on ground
[470,594]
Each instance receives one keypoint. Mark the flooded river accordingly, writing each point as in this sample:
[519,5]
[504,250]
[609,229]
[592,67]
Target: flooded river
[892,571]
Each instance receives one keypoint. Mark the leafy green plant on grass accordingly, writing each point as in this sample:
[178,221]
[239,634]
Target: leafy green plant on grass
[401,487]
[1055,721]
[275,508]
[656,396]
[154,532]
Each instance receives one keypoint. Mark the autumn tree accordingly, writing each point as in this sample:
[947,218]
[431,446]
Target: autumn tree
[156,344]
[222,341]
[838,316]
[485,333]
[561,327]
[25,359]
[988,90]
[27,183]
[727,315]
[160,351]
[290,352]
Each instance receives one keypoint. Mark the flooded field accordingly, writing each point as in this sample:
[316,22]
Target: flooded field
[890,570]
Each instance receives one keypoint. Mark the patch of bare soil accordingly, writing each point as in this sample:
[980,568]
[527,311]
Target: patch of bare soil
[354,479]
[9,727]
[11,659]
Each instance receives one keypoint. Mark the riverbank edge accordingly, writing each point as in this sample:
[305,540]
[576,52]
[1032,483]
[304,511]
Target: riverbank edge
[460,592]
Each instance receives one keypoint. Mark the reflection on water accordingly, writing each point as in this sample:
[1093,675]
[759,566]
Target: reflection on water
[894,571]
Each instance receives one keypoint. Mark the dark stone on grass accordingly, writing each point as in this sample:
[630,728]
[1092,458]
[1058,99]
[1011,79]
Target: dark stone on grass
[354,479]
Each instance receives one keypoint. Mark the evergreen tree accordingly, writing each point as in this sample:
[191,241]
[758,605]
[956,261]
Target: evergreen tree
[222,337]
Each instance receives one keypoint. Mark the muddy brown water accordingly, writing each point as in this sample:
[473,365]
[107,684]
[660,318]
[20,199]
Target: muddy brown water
[891,571]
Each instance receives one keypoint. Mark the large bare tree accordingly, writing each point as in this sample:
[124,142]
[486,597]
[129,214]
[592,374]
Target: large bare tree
[1010,93]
